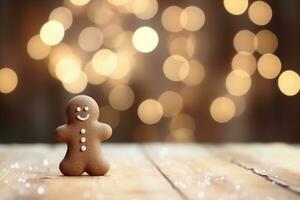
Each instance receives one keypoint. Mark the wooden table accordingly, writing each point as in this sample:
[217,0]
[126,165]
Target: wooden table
[156,171]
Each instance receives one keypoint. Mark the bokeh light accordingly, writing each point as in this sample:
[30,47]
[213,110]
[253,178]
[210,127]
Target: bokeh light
[114,36]
[52,32]
[289,83]
[79,2]
[269,66]
[90,39]
[68,69]
[145,39]
[196,73]
[78,85]
[150,111]
[93,77]
[244,61]
[99,13]
[121,97]
[182,120]
[8,80]
[236,7]
[123,67]
[222,109]
[170,19]
[238,82]
[176,68]
[36,49]
[245,40]
[62,15]
[267,42]
[104,61]
[260,13]
[181,135]
[144,9]
[171,102]
[192,18]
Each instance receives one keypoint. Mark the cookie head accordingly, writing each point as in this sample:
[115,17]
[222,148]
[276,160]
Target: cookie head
[82,108]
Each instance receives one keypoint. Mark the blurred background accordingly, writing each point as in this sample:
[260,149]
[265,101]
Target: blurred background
[170,71]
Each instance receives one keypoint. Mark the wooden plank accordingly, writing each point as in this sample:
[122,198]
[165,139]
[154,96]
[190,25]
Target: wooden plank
[31,172]
[278,162]
[198,173]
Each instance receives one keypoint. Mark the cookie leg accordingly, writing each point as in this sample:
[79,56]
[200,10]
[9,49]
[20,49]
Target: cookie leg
[71,168]
[97,168]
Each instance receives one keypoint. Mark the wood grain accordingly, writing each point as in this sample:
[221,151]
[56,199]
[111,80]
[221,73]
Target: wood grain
[199,173]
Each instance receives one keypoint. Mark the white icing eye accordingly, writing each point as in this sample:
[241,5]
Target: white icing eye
[78,109]
[86,108]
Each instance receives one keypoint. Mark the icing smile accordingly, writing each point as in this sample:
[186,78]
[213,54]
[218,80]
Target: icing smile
[82,118]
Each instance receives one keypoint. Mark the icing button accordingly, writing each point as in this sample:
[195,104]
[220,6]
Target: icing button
[82,131]
[82,148]
[82,140]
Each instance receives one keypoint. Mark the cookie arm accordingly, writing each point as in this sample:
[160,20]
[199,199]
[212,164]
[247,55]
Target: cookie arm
[106,132]
[61,134]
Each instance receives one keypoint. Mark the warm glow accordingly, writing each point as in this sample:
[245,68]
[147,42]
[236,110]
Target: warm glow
[52,32]
[78,85]
[180,135]
[114,36]
[245,40]
[90,39]
[244,61]
[150,111]
[236,7]
[222,109]
[121,97]
[192,18]
[269,66]
[8,80]
[99,13]
[171,102]
[93,77]
[62,15]
[145,39]
[104,61]
[117,2]
[170,19]
[196,73]
[238,82]
[267,42]
[176,68]
[184,46]
[37,49]
[144,9]
[182,121]
[68,69]
[123,67]
[79,2]
[289,83]
[260,13]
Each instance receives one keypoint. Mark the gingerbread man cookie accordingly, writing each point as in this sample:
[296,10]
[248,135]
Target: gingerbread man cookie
[83,135]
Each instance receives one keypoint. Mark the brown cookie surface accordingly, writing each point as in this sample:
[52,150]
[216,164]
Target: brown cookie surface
[83,135]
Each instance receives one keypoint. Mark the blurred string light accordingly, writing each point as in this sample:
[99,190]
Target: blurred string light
[145,39]
[192,18]
[52,32]
[79,2]
[196,73]
[238,82]
[267,42]
[8,80]
[222,109]
[37,49]
[144,9]
[170,19]
[269,66]
[77,85]
[68,68]
[104,61]
[182,45]
[171,102]
[150,111]
[260,13]
[90,39]
[244,61]
[62,15]
[245,41]
[236,7]
[176,68]
[289,83]
[121,97]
